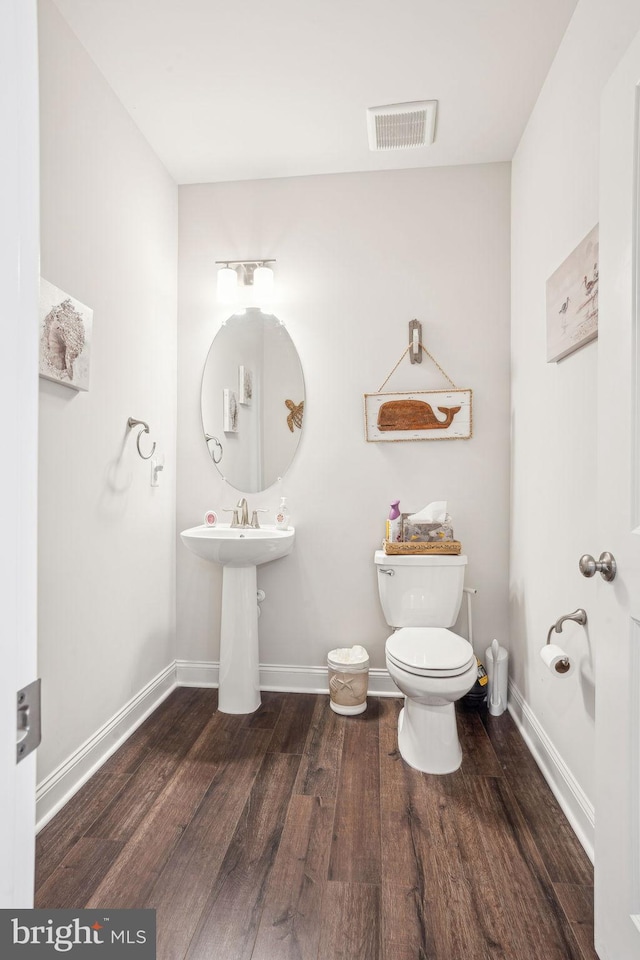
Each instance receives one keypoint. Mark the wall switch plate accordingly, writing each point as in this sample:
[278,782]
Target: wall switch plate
[157,465]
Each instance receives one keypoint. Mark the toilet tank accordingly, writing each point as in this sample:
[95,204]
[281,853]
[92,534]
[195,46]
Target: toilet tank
[420,591]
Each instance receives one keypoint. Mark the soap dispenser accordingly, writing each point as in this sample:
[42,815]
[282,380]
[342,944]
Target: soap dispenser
[282,516]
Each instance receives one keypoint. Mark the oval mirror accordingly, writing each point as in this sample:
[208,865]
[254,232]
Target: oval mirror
[252,400]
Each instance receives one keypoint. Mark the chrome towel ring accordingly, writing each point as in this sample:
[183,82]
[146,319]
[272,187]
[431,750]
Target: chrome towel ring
[208,437]
[145,429]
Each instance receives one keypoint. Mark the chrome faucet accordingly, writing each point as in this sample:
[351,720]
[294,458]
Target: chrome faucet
[244,514]
[241,515]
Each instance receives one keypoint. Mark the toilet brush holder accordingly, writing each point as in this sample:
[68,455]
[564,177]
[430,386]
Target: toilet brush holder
[497,662]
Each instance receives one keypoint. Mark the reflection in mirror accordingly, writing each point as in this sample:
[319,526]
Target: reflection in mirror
[252,400]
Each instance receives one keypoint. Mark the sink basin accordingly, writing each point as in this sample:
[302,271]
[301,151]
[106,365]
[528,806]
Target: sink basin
[238,546]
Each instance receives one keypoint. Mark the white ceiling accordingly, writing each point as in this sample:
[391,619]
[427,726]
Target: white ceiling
[235,91]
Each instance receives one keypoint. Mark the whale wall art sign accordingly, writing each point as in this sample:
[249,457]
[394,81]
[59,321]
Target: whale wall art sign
[65,337]
[421,415]
[572,300]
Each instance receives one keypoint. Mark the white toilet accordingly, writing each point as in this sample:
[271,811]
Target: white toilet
[433,667]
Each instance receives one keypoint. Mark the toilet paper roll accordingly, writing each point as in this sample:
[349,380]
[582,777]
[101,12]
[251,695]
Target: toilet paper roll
[555,658]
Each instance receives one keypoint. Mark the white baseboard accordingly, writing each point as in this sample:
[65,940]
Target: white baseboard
[575,804]
[294,679]
[285,677]
[56,789]
[197,673]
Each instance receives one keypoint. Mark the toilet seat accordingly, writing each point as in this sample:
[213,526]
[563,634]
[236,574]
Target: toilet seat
[429,652]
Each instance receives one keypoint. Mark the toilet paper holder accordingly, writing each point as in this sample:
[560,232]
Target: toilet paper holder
[578,616]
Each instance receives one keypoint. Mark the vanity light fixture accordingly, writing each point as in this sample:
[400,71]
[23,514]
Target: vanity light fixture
[245,282]
[263,284]
[227,285]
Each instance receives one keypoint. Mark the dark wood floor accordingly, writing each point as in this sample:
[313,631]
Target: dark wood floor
[296,833]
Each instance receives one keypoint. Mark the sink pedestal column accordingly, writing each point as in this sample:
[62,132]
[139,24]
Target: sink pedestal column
[239,689]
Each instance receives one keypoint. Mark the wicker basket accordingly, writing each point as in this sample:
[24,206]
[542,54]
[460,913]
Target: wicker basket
[418,548]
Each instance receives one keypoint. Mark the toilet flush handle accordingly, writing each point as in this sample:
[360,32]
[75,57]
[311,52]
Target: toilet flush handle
[389,573]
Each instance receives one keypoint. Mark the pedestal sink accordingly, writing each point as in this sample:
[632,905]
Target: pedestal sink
[239,550]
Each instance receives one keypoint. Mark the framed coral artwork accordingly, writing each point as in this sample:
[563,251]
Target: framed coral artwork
[65,337]
[245,385]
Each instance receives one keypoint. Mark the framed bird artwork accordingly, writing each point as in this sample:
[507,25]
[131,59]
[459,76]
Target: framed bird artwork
[572,300]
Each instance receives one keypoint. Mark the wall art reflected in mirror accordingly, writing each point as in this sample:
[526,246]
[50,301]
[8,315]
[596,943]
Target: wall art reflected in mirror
[252,400]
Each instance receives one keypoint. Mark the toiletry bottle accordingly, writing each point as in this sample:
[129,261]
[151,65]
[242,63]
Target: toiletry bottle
[282,516]
[478,693]
[394,523]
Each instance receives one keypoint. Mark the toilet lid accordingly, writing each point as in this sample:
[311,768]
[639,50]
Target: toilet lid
[430,651]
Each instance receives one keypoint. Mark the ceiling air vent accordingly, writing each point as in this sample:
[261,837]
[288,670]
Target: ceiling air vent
[398,126]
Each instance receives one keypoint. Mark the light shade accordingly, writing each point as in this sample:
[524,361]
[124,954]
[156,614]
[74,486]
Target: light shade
[262,285]
[227,285]
[245,283]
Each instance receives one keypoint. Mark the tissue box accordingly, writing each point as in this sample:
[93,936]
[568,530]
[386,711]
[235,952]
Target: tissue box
[420,531]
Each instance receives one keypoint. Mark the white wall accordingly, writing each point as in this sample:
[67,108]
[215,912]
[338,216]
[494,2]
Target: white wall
[554,442]
[358,256]
[106,538]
